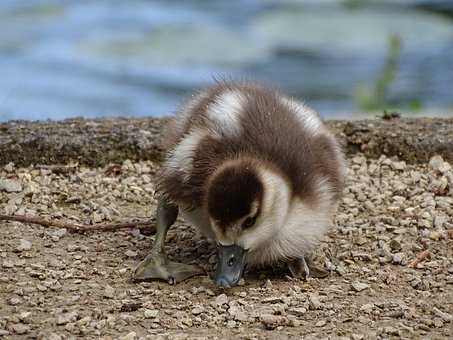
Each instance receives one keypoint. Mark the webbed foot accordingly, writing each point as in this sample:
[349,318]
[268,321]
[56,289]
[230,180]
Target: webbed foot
[305,267]
[156,266]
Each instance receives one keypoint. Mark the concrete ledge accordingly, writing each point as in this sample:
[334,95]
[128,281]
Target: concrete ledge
[103,141]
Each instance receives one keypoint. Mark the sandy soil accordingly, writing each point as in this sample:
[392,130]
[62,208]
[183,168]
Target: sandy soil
[59,285]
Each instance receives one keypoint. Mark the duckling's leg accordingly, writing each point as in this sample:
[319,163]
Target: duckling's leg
[305,267]
[156,265]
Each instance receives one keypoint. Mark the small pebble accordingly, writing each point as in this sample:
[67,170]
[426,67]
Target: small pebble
[221,299]
[297,311]
[150,313]
[447,317]
[131,253]
[314,302]
[9,167]
[10,185]
[129,336]
[64,318]
[60,232]
[321,323]
[20,328]
[109,292]
[198,310]
[359,286]
[24,245]
[273,321]
[14,301]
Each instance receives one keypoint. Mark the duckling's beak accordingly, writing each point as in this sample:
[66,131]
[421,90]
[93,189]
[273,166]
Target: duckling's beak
[230,265]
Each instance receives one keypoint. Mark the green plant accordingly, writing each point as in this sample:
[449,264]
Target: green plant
[353,4]
[375,98]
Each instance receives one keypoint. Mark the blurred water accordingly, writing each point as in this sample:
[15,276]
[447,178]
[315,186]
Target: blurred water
[63,58]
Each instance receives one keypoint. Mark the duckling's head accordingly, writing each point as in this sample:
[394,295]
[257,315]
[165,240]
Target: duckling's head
[247,203]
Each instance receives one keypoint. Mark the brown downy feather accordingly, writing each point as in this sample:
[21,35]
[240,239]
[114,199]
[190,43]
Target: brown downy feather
[270,133]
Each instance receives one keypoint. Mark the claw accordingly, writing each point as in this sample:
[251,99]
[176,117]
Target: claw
[317,272]
[306,268]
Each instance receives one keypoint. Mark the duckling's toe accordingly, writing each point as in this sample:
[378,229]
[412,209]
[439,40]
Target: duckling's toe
[306,268]
[156,266]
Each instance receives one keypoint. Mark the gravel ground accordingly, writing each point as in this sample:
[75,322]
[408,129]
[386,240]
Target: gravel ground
[59,285]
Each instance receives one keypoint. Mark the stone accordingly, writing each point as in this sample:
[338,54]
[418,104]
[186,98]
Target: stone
[59,233]
[10,209]
[53,336]
[221,300]
[320,323]
[237,312]
[150,313]
[25,317]
[438,323]
[129,336]
[64,318]
[447,317]
[131,253]
[109,292]
[297,311]
[187,322]
[395,245]
[72,247]
[398,258]
[391,330]
[367,308]
[272,299]
[128,165]
[10,185]
[97,217]
[359,286]
[437,163]
[398,165]
[7,264]
[73,200]
[23,245]
[440,221]
[273,321]
[9,167]
[435,235]
[314,302]
[20,328]
[198,310]
[14,301]
[267,284]
[231,324]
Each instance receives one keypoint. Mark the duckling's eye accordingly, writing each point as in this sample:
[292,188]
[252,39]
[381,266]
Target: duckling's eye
[249,222]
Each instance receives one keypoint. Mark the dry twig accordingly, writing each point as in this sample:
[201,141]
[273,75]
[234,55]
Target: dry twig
[79,228]
[420,257]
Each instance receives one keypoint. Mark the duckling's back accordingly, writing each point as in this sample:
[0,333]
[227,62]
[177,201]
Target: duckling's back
[233,120]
